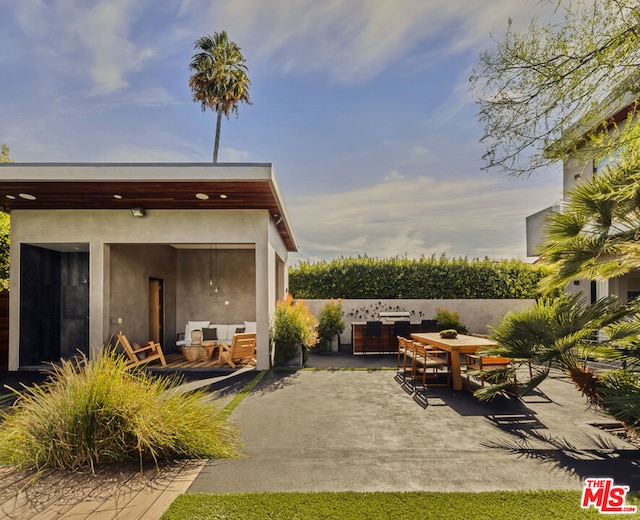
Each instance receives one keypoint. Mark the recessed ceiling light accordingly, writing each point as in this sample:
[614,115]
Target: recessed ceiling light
[223,196]
[26,196]
[12,197]
[202,196]
[116,196]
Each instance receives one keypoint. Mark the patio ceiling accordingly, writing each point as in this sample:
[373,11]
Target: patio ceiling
[150,194]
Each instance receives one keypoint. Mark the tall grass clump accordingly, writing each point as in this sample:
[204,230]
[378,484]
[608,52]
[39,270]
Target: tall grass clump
[99,411]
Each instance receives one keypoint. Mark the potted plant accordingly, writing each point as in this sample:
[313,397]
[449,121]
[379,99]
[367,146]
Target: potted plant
[293,332]
[331,324]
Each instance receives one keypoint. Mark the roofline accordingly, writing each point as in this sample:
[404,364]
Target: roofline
[43,172]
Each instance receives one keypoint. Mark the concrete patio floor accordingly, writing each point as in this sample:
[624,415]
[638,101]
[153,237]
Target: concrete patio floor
[359,430]
[346,424]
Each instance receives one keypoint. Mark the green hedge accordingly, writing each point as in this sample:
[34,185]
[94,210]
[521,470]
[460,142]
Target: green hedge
[426,278]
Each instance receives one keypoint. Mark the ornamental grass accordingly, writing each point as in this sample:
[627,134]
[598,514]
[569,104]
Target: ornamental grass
[95,411]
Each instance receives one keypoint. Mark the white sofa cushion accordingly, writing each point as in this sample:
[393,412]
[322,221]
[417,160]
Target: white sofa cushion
[224,332]
[234,329]
[221,331]
[191,325]
[250,326]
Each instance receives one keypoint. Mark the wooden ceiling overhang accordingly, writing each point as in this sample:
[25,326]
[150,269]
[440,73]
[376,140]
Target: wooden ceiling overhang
[149,186]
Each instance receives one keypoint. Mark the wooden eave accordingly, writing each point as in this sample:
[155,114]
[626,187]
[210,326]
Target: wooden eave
[151,194]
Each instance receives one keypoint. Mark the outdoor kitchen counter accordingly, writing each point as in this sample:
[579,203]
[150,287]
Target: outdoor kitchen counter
[388,342]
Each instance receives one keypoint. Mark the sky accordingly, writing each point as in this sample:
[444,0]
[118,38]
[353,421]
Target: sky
[362,106]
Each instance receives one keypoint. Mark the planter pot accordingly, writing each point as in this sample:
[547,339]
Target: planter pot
[296,361]
[335,343]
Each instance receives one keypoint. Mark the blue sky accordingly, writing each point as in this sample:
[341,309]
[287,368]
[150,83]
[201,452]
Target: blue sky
[362,106]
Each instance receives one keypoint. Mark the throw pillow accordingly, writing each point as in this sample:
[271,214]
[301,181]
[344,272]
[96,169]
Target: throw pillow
[240,330]
[209,334]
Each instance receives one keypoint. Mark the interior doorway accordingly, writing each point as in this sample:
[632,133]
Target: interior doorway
[156,310]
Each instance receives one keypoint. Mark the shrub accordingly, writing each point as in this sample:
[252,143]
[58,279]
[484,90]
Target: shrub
[331,320]
[449,320]
[98,411]
[424,278]
[293,324]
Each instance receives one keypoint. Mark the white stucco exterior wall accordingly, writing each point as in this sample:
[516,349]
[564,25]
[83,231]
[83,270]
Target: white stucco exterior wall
[99,228]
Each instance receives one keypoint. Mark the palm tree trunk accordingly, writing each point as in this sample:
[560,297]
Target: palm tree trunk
[216,144]
[587,382]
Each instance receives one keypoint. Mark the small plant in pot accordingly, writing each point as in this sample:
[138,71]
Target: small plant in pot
[293,330]
[449,334]
[330,324]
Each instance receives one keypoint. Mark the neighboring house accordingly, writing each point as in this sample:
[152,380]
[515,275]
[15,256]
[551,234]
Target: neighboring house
[142,248]
[578,170]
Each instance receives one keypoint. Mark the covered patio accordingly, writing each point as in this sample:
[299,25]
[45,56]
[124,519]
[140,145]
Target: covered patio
[140,248]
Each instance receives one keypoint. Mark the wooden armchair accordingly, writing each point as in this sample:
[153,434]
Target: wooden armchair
[242,349]
[150,352]
[481,364]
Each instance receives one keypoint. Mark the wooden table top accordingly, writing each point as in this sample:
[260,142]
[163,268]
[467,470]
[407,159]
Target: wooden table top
[461,343]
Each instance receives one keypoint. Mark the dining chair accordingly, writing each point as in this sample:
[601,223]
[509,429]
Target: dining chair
[430,363]
[401,328]
[405,354]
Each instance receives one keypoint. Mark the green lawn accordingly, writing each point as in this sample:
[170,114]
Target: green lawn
[534,505]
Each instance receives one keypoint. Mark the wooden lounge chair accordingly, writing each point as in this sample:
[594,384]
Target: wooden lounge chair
[149,352]
[242,349]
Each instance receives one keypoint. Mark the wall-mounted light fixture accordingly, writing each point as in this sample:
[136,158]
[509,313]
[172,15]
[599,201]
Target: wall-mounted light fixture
[277,219]
[137,212]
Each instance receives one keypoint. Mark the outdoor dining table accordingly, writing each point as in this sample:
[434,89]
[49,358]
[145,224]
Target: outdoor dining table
[463,344]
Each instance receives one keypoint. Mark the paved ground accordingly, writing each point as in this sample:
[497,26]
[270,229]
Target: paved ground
[337,430]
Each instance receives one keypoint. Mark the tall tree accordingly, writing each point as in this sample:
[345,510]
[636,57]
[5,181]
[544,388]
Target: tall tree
[220,81]
[4,153]
[542,88]
[5,227]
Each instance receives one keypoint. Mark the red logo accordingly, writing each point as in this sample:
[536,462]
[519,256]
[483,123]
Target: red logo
[605,496]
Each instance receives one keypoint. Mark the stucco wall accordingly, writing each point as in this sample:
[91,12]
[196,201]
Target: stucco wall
[474,314]
[235,301]
[158,229]
[131,267]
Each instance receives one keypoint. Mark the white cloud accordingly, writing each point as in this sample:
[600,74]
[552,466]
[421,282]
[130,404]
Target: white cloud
[234,155]
[473,216]
[95,38]
[395,175]
[352,41]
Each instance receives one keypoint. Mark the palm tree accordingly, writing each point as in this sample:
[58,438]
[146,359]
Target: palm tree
[596,236]
[560,334]
[220,80]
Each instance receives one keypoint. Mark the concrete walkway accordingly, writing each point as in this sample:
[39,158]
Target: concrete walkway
[358,430]
[336,430]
